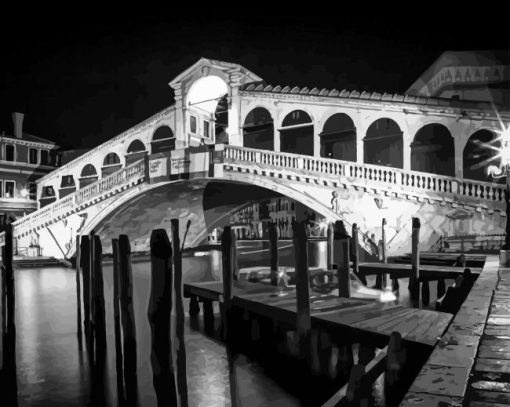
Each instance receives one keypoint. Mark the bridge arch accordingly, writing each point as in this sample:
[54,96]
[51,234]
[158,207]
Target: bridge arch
[163,140]
[258,129]
[383,143]
[433,150]
[338,138]
[297,133]
[479,152]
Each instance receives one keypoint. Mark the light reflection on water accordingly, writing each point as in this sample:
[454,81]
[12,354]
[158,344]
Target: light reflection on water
[52,369]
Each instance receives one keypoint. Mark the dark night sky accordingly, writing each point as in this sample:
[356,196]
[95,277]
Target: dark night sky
[82,81]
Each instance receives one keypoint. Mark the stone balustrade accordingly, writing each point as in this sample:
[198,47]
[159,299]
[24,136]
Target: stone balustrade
[71,202]
[370,174]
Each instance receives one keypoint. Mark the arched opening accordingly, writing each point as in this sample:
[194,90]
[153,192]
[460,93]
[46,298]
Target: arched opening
[67,186]
[88,175]
[296,134]
[111,163]
[432,150]
[481,150]
[163,140]
[136,151]
[207,110]
[258,130]
[338,138]
[383,144]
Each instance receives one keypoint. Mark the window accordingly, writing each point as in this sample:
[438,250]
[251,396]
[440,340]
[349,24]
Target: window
[32,190]
[9,152]
[32,155]
[45,157]
[9,189]
[193,124]
[207,129]
[1,189]
[49,191]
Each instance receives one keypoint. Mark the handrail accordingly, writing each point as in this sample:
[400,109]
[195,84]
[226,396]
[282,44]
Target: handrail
[414,180]
[84,194]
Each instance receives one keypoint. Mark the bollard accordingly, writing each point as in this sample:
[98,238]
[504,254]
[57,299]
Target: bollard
[425,293]
[273,252]
[159,312]
[228,246]
[331,246]
[85,268]
[78,286]
[414,279]
[116,320]
[395,360]
[342,260]
[381,279]
[441,287]
[182,384]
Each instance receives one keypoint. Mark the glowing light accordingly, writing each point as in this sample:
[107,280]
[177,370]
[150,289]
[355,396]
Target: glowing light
[200,254]
[205,92]
[387,296]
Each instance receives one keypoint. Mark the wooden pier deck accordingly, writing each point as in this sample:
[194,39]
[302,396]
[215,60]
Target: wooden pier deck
[331,312]
[470,365]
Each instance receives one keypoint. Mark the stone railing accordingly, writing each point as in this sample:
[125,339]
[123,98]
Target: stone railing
[133,172]
[373,174]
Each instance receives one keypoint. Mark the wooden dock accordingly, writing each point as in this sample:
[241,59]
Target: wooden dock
[353,316]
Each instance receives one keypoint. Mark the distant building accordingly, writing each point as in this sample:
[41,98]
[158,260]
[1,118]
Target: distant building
[467,75]
[23,159]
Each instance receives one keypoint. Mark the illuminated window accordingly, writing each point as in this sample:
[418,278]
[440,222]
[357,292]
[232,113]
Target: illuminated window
[9,189]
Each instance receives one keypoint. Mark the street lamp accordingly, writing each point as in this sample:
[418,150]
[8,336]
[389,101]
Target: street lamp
[499,172]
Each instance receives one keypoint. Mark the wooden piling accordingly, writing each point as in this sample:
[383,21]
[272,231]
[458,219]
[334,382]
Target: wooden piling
[441,287]
[303,320]
[116,321]
[85,267]
[128,319]
[414,279]
[228,246]
[182,383]
[355,254]
[273,252]
[92,296]
[99,305]
[159,311]
[395,360]
[342,260]
[78,286]
[331,246]
[381,279]
[425,293]
[208,316]
[345,360]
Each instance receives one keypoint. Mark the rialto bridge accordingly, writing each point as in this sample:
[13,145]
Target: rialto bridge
[230,140]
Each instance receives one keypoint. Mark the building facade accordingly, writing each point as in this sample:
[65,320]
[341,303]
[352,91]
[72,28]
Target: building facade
[24,158]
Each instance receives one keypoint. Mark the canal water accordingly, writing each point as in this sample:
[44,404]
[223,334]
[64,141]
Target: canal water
[52,365]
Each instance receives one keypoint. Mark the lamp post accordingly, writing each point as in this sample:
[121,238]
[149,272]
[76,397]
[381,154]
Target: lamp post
[499,172]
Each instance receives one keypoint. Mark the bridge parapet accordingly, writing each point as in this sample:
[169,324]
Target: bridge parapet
[92,193]
[438,187]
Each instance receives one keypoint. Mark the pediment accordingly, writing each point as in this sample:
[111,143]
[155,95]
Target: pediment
[205,66]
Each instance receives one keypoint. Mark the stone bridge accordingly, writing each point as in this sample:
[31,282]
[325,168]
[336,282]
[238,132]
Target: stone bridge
[230,139]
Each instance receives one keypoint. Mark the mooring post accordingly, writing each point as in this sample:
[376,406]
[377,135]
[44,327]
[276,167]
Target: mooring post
[355,254]
[441,287]
[99,305]
[92,297]
[128,319]
[116,321]
[85,271]
[395,360]
[182,383]
[414,279]
[331,246]
[342,260]
[381,279]
[303,320]
[273,251]
[159,312]
[78,286]
[425,292]
[228,247]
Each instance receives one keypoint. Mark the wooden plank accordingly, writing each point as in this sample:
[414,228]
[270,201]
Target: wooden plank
[383,317]
[492,365]
[441,324]
[360,315]
[401,324]
[491,396]
[485,404]
[441,380]
[429,330]
[321,312]
[496,348]
[493,354]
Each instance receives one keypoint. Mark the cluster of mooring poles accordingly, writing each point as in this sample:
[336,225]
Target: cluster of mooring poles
[169,376]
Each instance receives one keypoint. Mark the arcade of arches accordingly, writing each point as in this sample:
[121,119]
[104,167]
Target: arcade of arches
[432,149]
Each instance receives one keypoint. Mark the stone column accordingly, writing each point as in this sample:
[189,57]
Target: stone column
[234,130]
[181,139]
